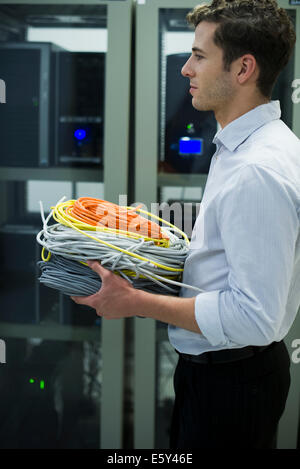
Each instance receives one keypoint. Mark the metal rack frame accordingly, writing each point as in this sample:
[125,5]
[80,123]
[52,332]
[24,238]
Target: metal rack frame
[117,107]
[147,182]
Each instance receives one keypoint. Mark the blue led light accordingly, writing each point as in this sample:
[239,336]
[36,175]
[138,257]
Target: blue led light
[80,134]
[190,146]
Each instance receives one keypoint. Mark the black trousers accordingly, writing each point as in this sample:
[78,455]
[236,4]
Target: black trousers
[231,405]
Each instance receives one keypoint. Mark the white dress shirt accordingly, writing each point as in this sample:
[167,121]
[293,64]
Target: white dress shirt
[245,245]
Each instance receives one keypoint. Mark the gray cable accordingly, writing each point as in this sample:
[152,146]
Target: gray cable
[69,244]
[75,279]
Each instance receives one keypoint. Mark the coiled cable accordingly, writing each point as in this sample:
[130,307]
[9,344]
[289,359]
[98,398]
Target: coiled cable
[149,263]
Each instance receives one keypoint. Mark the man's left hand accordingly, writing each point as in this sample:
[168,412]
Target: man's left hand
[117,298]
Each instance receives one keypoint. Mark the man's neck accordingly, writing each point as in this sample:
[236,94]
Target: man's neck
[236,109]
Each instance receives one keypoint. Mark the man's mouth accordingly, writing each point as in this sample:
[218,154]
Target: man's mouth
[192,88]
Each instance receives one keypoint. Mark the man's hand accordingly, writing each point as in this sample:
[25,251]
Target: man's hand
[116,297]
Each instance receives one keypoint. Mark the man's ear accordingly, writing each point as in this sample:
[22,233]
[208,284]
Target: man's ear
[247,68]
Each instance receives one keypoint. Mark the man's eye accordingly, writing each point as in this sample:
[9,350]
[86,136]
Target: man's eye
[199,57]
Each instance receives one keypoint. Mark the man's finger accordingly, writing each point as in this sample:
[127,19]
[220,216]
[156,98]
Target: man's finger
[97,267]
[82,300]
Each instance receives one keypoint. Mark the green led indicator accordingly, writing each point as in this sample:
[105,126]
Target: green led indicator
[31,380]
[42,384]
[189,126]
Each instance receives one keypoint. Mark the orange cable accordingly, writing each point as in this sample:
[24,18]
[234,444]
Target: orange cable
[101,212]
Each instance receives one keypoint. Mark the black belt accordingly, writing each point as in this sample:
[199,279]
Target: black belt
[225,356]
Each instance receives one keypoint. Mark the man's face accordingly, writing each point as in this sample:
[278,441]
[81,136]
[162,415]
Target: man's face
[211,86]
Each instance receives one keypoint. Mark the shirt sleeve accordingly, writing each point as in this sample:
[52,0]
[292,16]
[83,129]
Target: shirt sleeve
[258,225]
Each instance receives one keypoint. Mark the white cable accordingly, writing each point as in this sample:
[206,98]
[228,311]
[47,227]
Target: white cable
[69,244]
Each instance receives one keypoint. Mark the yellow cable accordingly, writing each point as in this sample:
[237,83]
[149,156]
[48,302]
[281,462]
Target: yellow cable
[61,217]
[43,255]
[131,273]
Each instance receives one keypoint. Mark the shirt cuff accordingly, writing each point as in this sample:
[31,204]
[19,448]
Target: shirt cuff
[208,318]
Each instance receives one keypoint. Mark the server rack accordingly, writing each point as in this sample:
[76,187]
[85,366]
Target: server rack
[29,70]
[117,17]
[149,186]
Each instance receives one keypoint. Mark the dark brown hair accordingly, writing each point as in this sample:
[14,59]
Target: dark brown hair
[257,27]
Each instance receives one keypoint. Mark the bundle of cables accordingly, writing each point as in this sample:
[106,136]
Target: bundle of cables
[148,255]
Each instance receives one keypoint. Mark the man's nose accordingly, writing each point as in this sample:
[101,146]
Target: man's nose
[186,69]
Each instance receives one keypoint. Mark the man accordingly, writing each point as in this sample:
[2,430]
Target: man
[232,377]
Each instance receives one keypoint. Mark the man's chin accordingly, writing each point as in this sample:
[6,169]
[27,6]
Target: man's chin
[201,106]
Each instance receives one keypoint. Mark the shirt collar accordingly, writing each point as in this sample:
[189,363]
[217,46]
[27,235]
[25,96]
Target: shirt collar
[233,134]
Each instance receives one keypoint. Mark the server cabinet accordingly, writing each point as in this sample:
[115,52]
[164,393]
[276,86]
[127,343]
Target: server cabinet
[29,71]
[80,109]
[62,383]
[171,166]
